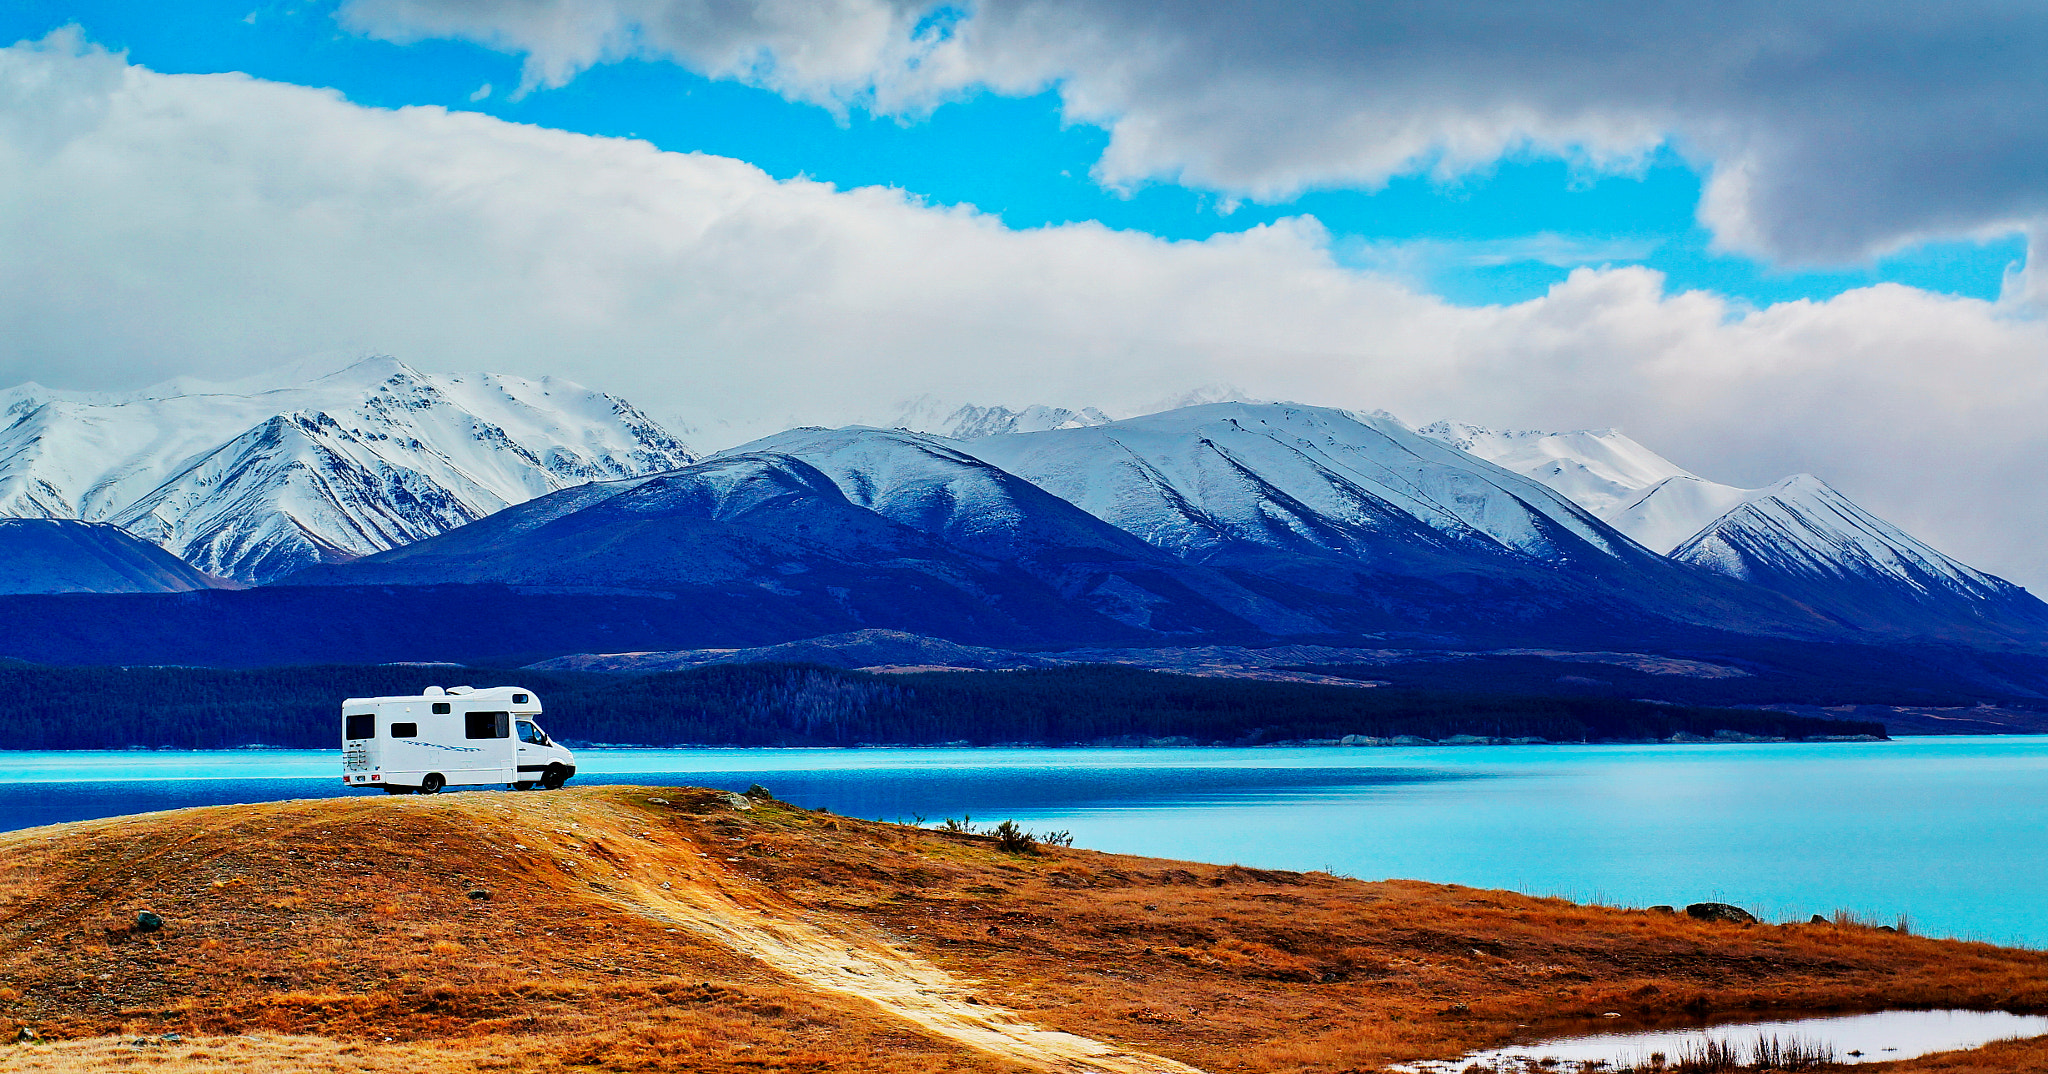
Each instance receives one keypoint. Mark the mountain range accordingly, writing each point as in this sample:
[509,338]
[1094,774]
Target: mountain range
[1798,536]
[255,485]
[544,519]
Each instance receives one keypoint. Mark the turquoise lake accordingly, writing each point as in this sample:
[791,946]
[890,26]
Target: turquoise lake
[1950,831]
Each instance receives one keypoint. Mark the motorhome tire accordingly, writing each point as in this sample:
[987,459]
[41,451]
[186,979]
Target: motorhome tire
[554,777]
[523,785]
[432,783]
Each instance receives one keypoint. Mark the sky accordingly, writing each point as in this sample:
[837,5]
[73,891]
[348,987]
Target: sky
[1761,238]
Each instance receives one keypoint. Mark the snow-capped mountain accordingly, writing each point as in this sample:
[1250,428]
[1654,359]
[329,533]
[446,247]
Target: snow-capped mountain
[755,541]
[864,527]
[1201,480]
[51,555]
[1799,536]
[1803,527]
[933,485]
[254,486]
[928,414]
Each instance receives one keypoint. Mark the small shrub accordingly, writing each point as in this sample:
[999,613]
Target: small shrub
[1013,839]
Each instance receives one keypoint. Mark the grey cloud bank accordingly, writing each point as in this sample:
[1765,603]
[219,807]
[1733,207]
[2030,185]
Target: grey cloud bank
[214,225]
[1833,129]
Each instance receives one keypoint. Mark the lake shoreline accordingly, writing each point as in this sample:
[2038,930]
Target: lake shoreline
[1944,829]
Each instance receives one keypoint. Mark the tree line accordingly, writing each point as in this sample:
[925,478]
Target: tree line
[61,708]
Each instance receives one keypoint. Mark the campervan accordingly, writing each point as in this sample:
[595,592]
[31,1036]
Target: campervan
[458,737]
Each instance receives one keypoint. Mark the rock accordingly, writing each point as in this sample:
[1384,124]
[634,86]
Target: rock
[480,895]
[1886,928]
[1720,911]
[171,1038]
[148,921]
[737,801]
[26,1035]
[1661,908]
[1817,920]
[760,793]
[657,801]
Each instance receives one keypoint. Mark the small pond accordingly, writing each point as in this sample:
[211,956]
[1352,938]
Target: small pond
[1859,1038]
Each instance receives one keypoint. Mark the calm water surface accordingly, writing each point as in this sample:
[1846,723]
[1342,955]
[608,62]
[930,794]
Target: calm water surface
[1952,831]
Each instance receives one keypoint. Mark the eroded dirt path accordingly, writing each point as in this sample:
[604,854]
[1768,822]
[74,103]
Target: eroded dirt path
[684,885]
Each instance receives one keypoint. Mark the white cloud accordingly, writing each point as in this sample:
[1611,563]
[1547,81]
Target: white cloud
[828,51]
[1834,130]
[216,225]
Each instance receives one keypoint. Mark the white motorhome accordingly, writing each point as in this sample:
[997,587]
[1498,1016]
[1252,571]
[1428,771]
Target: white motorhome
[458,737]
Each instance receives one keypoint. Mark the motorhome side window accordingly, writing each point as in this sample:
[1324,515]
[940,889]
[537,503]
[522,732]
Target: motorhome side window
[441,708]
[519,699]
[487,725]
[529,733]
[361,725]
[405,730]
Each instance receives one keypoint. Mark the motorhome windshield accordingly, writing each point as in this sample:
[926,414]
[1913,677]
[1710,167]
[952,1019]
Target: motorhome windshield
[531,732]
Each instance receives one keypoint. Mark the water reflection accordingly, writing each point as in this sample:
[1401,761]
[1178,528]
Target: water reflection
[1848,1039]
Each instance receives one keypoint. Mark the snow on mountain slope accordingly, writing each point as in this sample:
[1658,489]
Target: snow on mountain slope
[1803,527]
[933,485]
[763,540]
[928,414]
[254,486]
[1670,512]
[1198,480]
[44,555]
[1799,537]
[1600,470]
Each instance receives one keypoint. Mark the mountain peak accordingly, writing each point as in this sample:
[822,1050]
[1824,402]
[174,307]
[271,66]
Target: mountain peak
[929,414]
[368,372]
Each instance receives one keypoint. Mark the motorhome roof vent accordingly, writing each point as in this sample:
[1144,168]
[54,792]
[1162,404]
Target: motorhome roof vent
[434,691]
[462,689]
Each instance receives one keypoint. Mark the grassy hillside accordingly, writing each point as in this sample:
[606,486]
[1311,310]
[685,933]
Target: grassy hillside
[628,929]
[796,705]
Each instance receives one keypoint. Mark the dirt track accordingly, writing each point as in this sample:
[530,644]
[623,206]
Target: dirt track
[692,889]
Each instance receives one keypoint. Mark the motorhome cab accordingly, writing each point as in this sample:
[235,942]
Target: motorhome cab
[458,737]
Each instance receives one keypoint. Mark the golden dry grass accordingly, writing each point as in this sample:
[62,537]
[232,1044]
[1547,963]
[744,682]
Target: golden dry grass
[623,933]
